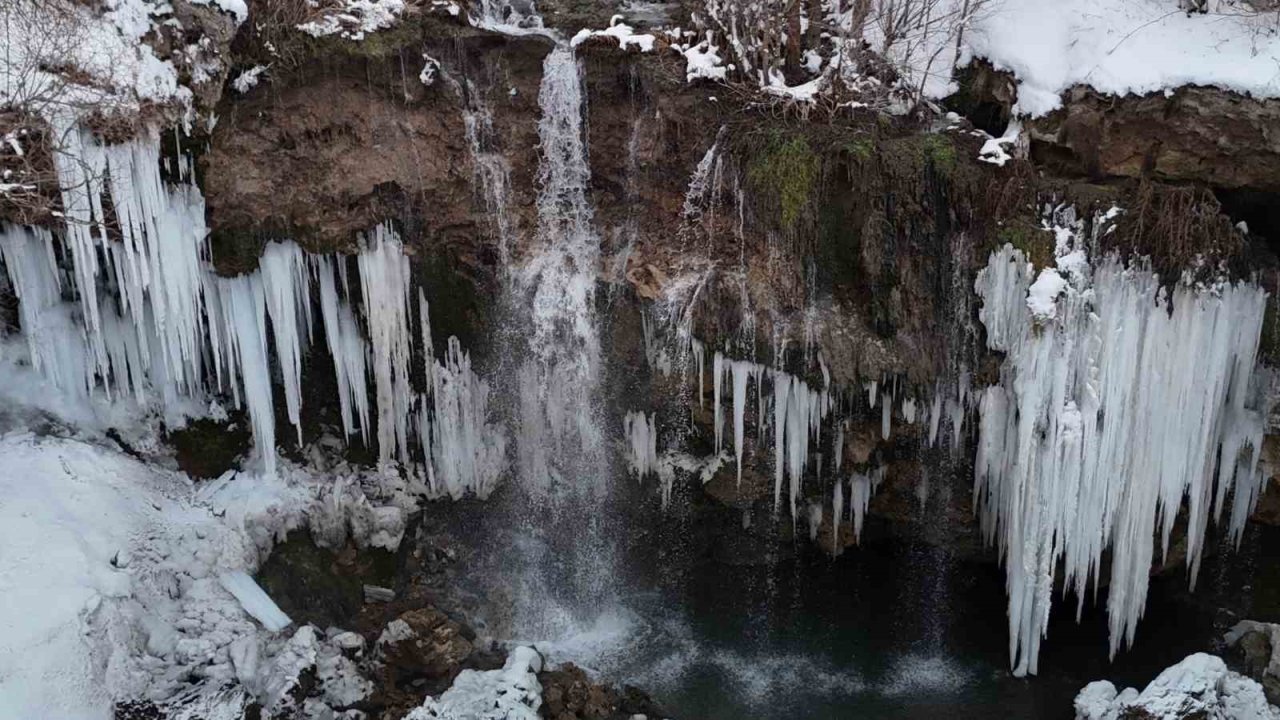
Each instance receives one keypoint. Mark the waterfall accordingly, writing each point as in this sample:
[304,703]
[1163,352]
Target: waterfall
[560,420]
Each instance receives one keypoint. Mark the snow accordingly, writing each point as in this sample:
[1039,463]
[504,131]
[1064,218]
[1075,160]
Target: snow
[993,150]
[1169,370]
[510,693]
[114,71]
[1043,294]
[703,61]
[1199,686]
[247,80]
[353,19]
[121,580]
[254,601]
[620,31]
[1122,48]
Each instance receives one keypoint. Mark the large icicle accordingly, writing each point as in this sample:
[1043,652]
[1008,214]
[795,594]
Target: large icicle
[467,452]
[287,288]
[1117,399]
[348,349]
[384,283]
[244,328]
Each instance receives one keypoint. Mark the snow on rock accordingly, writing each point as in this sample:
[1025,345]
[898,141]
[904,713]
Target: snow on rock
[1200,686]
[121,583]
[108,67]
[1169,369]
[248,80]
[995,151]
[620,31]
[511,693]
[353,19]
[1135,46]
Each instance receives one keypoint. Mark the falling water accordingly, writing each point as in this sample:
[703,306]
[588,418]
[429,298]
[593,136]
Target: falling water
[566,559]
[561,444]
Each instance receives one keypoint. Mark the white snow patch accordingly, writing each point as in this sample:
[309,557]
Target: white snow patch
[248,79]
[511,693]
[620,31]
[1130,47]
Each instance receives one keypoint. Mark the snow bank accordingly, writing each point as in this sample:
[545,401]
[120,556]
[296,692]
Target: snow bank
[1200,686]
[1133,46]
[121,583]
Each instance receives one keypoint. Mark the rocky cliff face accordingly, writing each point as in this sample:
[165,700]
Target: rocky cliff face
[851,239]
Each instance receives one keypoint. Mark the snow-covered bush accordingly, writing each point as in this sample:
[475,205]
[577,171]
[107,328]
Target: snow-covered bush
[879,47]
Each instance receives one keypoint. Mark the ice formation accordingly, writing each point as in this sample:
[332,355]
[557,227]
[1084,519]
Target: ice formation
[1118,399]
[254,601]
[150,320]
[797,414]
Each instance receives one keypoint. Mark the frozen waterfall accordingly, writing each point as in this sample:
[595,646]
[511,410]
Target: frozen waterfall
[144,316]
[1118,398]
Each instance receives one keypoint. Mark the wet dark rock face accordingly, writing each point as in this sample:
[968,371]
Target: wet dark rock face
[320,586]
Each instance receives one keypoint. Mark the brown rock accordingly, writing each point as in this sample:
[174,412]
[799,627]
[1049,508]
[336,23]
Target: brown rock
[424,643]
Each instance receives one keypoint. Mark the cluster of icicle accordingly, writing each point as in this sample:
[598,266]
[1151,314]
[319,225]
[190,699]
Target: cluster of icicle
[152,318]
[1118,399]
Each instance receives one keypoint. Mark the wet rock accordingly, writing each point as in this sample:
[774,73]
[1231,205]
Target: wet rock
[424,644]
[568,693]
[1252,649]
[317,585]
[207,448]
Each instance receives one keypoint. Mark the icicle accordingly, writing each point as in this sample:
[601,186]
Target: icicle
[469,453]
[243,312]
[860,488]
[349,351]
[428,350]
[837,512]
[815,520]
[838,448]
[781,395]
[741,372]
[717,381]
[286,285]
[643,436]
[1056,484]
[700,359]
[886,415]
[384,282]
